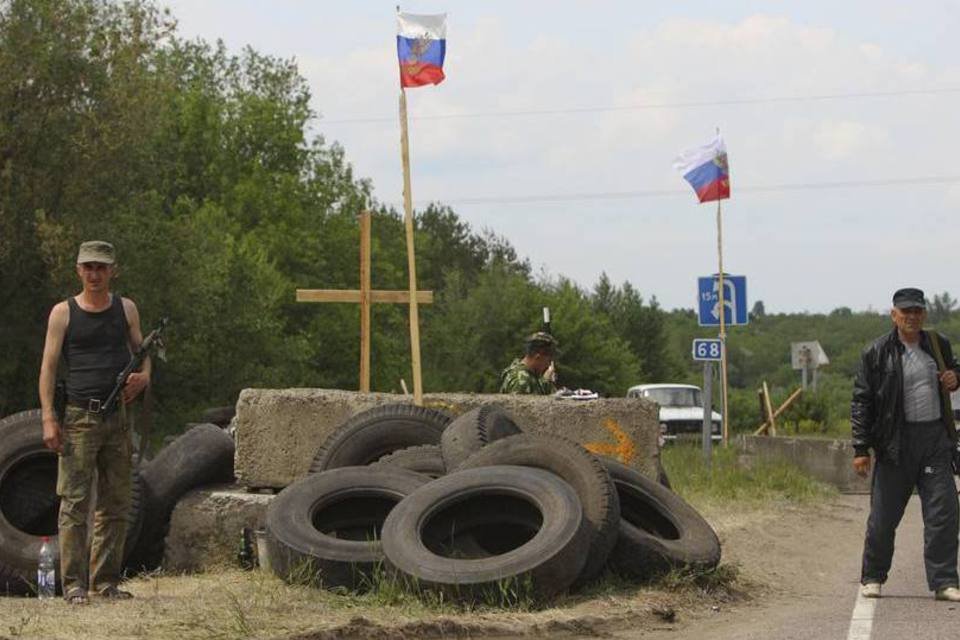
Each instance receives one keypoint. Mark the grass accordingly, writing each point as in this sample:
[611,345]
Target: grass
[727,481]
[227,603]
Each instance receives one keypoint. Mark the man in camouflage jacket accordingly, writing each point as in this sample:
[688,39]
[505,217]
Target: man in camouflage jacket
[533,373]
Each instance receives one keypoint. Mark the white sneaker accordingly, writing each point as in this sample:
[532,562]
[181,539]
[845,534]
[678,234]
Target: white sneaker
[872,590]
[952,594]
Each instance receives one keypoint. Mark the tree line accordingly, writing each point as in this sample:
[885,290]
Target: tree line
[197,164]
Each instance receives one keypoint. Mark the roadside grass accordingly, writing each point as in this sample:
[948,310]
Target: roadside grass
[728,481]
[226,603]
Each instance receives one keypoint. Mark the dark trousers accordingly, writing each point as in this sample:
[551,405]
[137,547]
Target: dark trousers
[924,464]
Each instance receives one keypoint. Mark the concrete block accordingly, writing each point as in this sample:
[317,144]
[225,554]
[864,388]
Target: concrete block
[827,460]
[279,430]
[205,527]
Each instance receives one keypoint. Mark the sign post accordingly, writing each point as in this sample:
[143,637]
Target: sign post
[708,413]
[808,357]
[708,351]
[722,301]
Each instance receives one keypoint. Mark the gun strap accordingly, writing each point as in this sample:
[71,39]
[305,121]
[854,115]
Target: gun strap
[934,340]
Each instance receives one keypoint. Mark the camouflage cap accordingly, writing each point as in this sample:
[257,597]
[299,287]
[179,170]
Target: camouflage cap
[541,340]
[96,251]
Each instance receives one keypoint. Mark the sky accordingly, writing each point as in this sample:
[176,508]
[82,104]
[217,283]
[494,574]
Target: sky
[558,122]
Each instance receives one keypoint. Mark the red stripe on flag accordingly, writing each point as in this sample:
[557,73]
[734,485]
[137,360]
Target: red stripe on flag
[716,190]
[419,74]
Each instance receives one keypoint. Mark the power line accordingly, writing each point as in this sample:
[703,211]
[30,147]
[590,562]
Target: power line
[657,193]
[655,105]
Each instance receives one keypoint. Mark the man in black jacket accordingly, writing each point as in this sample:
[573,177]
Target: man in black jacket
[901,410]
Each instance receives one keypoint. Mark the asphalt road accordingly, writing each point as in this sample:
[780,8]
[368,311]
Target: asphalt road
[823,604]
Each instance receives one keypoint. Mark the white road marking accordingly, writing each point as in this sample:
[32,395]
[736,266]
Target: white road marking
[861,622]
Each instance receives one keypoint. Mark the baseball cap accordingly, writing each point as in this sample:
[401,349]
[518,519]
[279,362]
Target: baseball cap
[96,251]
[909,298]
[541,340]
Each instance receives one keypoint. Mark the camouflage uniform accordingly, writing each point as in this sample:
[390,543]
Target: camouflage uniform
[94,446]
[518,379]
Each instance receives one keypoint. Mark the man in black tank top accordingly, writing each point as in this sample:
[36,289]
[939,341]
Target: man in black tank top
[95,332]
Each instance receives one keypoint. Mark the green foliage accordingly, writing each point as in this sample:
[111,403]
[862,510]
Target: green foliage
[727,481]
[196,163]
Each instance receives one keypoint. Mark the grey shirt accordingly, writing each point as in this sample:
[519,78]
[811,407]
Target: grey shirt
[921,388]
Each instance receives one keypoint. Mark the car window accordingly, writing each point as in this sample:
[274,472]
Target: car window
[676,397]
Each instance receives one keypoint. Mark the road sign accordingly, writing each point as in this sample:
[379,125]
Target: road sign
[707,349]
[807,355]
[734,298]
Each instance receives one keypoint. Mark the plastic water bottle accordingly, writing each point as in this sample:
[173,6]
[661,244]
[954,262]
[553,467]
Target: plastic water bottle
[46,571]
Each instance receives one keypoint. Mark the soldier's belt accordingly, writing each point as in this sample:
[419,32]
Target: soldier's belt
[93,405]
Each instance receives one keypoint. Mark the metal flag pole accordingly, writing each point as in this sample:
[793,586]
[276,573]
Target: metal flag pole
[411,257]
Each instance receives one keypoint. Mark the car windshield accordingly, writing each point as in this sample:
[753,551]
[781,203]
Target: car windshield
[676,397]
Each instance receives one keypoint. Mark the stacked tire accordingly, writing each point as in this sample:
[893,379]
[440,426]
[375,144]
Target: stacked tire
[29,504]
[473,506]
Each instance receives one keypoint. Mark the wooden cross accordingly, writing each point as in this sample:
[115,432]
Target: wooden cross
[365,297]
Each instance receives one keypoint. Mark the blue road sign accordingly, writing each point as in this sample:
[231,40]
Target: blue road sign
[710,349]
[734,298]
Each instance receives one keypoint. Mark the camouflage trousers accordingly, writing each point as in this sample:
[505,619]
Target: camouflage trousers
[94,450]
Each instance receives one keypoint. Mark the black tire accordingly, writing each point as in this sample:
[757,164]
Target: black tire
[220,416]
[323,528]
[659,531]
[201,456]
[425,459]
[473,430]
[546,563]
[581,469]
[372,434]
[29,505]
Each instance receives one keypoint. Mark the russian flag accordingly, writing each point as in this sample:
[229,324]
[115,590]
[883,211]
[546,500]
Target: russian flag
[421,45]
[705,168]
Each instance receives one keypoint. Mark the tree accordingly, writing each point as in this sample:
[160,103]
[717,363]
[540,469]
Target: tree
[942,307]
[758,311]
[639,324]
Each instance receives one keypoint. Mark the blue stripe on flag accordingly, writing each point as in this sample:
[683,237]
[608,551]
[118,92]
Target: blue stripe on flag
[703,175]
[433,55]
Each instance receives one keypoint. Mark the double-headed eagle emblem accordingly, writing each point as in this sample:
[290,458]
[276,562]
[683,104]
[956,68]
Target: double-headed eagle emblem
[418,48]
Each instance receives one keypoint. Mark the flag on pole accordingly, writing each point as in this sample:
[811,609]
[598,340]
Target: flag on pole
[421,46]
[706,169]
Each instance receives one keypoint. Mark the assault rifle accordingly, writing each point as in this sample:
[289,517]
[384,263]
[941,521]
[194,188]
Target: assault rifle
[152,340]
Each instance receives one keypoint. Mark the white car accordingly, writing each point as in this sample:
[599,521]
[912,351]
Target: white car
[681,409]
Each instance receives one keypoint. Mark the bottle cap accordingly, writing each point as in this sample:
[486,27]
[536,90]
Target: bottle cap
[45,539]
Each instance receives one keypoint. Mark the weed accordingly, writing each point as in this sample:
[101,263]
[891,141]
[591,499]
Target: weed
[241,623]
[304,573]
[719,580]
[515,593]
[16,630]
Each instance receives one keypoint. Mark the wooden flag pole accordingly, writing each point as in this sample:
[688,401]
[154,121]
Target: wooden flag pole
[723,329]
[411,258]
[365,299]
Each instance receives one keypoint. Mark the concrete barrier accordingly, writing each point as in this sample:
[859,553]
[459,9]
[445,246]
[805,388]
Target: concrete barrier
[279,430]
[827,460]
[205,527]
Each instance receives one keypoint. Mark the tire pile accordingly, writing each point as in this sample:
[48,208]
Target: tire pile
[29,503]
[465,506]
